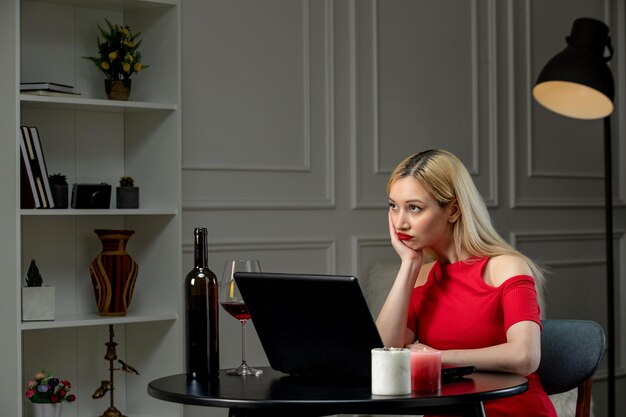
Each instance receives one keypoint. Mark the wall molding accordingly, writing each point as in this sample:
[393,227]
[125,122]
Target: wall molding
[327,199]
[358,243]
[282,203]
[530,236]
[359,201]
[306,107]
[272,245]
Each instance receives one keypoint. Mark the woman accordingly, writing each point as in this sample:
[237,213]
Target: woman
[477,301]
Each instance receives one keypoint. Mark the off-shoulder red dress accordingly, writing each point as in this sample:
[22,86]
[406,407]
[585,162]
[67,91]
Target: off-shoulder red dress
[456,309]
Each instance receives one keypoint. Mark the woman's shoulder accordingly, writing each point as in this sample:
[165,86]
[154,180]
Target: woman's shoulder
[500,268]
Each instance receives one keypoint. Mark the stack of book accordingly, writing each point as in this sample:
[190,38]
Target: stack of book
[48,89]
[35,189]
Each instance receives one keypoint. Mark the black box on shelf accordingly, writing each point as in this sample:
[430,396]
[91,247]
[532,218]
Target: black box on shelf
[91,196]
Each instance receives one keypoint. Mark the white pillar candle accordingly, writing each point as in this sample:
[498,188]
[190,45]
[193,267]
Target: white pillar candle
[391,371]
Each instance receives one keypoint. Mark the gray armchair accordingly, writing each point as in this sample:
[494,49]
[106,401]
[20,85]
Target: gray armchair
[571,351]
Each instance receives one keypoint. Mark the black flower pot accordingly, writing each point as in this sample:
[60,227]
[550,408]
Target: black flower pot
[127,197]
[60,195]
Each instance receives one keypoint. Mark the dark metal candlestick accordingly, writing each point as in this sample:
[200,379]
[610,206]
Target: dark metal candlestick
[108,385]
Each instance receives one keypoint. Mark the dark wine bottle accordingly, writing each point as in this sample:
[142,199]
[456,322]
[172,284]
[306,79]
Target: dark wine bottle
[201,314]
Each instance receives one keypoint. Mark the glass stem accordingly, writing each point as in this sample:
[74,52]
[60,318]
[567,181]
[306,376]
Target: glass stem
[243,342]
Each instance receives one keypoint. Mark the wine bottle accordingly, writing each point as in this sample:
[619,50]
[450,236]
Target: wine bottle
[201,314]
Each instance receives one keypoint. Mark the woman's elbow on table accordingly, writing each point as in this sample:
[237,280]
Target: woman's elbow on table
[525,362]
[524,347]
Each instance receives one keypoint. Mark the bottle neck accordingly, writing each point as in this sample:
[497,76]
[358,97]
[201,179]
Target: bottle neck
[201,250]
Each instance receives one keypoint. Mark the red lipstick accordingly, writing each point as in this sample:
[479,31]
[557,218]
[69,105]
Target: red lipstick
[404,236]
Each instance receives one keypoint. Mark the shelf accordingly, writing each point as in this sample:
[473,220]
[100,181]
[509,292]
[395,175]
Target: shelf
[81,320]
[91,104]
[100,212]
[125,5]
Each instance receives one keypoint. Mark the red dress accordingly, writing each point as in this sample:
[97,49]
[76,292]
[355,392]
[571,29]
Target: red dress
[456,309]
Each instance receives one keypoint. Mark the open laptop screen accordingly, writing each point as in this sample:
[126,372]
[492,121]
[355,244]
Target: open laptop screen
[311,324]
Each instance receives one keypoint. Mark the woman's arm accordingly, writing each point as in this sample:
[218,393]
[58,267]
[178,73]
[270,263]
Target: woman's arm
[391,321]
[520,354]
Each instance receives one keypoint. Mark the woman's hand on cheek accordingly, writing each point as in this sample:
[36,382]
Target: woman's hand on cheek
[401,249]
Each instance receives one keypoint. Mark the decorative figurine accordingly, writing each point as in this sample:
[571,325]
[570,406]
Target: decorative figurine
[108,385]
[33,277]
[38,301]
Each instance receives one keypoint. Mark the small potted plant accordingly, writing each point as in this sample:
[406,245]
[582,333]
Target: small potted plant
[127,194]
[59,188]
[48,393]
[37,300]
[118,58]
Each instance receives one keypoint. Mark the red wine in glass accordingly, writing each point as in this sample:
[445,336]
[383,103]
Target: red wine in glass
[233,304]
[237,310]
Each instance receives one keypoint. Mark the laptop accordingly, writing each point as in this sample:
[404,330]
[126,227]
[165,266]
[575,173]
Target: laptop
[311,324]
[316,324]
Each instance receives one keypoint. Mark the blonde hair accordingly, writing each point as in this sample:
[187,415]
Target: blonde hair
[446,179]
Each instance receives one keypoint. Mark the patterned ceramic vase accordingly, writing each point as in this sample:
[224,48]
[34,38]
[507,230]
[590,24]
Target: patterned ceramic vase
[113,273]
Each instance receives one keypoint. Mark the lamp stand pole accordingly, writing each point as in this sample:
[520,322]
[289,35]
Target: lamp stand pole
[610,305]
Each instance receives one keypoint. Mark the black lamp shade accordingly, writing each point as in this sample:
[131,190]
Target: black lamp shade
[577,82]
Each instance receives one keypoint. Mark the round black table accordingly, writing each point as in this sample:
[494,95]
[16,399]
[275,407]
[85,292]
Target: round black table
[276,394]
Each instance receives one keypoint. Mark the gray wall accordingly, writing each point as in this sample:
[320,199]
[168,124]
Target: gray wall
[295,112]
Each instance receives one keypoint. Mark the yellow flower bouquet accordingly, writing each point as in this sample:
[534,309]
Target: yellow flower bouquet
[118,55]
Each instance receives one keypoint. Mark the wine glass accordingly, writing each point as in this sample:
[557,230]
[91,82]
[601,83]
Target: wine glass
[231,301]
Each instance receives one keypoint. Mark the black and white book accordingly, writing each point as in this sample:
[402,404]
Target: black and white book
[28,193]
[42,164]
[61,88]
[35,168]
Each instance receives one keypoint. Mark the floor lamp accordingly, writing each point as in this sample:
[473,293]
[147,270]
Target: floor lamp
[578,83]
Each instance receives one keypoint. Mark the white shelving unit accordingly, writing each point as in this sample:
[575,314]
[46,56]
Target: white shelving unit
[100,212]
[78,320]
[90,104]
[91,140]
